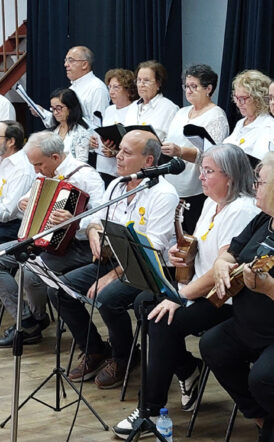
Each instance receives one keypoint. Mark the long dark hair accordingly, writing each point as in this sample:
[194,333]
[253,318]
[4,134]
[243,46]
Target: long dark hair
[70,99]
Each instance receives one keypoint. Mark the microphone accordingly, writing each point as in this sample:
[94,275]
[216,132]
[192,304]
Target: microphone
[175,166]
[98,115]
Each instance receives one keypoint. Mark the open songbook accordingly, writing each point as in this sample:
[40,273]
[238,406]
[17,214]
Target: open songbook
[116,132]
[139,260]
[21,91]
[198,136]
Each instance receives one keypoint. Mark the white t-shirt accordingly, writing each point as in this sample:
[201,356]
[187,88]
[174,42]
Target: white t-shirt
[112,116]
[228,223]
[215,122]
[93,96]
[255,137]
[159,113]
[153,211]
[16,177]
[7,111]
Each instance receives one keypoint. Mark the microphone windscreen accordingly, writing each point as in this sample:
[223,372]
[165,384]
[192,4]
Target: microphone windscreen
[177,165]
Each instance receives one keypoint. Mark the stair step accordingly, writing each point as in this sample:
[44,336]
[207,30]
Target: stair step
[13,37]
[12,53]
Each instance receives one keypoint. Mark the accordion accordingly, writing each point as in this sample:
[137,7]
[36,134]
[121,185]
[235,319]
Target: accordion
[48,195]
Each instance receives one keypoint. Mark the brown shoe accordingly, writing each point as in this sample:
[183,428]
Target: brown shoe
[90,365]
[112,375]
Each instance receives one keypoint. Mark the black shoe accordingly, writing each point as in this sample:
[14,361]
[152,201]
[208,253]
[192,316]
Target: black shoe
[30,336]
[44,323]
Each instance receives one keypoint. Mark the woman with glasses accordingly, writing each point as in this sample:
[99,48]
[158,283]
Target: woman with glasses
[227,181]
[240,351]
[152,107]
[68,122]
[199,84]
[252,132]
[122,91]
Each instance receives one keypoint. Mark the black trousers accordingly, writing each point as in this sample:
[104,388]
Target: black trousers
[167,348]
[9,230]
[112,302]
[251,386]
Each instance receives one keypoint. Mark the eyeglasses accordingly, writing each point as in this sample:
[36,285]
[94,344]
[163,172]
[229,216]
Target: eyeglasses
[207,173]
[114,87]
[3,136]
[144,82]
[192,87]
[57,108]
[268,98]
[71,60]
[241,100]
[258,183]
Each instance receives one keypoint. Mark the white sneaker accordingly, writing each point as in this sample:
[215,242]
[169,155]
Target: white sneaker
[124,428]
[190,387]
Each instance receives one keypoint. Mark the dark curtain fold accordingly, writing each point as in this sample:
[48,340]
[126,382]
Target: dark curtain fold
[248,44]
[121,33]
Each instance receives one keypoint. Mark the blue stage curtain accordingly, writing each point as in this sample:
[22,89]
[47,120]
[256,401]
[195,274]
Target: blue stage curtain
[121,33]
[248,44]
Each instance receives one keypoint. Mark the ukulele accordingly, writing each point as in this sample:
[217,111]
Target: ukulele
[259,265]
[187,245]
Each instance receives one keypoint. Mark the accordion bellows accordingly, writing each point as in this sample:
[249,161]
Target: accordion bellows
[48,195]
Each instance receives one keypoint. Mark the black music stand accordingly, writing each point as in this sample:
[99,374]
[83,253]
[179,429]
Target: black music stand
[140,270]
[43,271]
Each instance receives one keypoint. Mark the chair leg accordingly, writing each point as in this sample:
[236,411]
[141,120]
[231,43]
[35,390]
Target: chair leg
[72,349]
[134,342]
[204,377]
[2,310]
[231,423]
[51,314]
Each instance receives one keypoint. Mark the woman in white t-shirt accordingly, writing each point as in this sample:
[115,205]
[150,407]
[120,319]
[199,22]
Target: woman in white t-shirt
[152,108]
[122,91]
[199,83]
[254,131]
[227,181]
[67,121]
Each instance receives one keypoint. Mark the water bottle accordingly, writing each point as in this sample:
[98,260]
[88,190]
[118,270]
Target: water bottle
[164,425]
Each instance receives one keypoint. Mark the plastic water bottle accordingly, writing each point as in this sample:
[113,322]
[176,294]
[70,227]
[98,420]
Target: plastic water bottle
[164,425]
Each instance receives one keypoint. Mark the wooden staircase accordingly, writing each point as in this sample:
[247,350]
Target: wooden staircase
[13,59]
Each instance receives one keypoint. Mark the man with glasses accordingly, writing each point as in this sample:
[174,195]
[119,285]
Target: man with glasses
[16,177]
[153,212]
[90,90]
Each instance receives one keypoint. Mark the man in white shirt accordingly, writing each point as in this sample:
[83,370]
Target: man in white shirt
[16,177]
[7,111]
[91,91]
[45,151]
[153,212]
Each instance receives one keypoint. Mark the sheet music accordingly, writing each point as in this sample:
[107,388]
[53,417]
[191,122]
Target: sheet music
[40,269]
[21,91]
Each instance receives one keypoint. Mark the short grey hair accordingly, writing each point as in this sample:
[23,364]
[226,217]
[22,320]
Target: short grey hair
[48,142]
[234,163]
[153,147]
[87,54]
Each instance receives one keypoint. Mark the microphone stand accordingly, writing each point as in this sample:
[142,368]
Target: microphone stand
[22,251]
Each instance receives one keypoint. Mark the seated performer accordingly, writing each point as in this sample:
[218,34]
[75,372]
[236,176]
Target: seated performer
[240,351]
[153,211]
[227,181]
[16,177]
[45,150]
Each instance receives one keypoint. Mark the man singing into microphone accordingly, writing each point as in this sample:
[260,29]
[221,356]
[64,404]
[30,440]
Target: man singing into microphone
[153,212]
